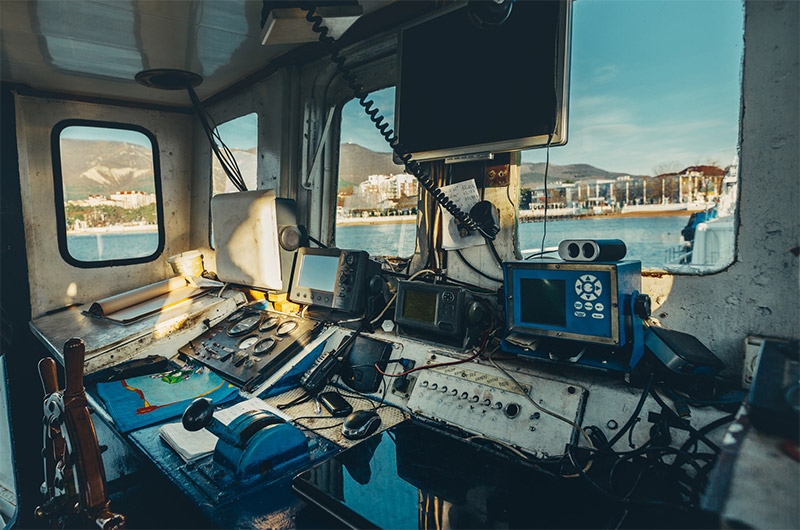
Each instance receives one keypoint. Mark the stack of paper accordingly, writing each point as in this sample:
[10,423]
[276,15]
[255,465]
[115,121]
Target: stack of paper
[193,445]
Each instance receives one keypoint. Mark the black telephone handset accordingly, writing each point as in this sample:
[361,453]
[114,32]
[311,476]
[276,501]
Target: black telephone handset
[318,375]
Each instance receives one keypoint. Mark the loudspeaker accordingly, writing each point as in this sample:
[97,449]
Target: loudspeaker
[592,249]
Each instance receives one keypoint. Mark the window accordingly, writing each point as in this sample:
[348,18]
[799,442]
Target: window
[653,135]
[241,137]
[376,201]
[108,193]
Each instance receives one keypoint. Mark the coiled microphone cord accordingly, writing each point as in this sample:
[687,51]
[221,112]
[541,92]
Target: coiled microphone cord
[382,125]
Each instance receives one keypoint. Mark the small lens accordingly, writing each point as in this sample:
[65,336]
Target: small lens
[574,250]
[588,250]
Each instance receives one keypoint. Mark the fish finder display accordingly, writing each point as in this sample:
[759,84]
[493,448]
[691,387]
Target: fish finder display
[420,305]
[319,272]
[543,301]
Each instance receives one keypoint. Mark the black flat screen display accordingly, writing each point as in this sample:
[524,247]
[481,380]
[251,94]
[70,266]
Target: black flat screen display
[461,85]
[543,301]
[420,305]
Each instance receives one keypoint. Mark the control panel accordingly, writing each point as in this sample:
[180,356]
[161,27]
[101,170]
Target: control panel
[482,400]
[250,345]
[432,308]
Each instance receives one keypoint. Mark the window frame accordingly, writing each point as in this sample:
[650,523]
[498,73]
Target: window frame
[58,192]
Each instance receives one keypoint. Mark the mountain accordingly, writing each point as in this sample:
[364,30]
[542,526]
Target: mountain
[532,175]
[97,167]
[356,163]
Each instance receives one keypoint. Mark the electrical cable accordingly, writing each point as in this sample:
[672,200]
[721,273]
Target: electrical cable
[692,441]
[683,422]
[474,269]
[634,416]
[226,159]
[316,242]
[543,409]
[494,252]
[546,170]
[382,125]
[427,366]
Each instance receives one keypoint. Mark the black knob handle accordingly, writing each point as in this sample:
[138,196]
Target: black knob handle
[198,415]
[641,306]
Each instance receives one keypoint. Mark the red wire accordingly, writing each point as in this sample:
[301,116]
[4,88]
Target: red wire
[483,345]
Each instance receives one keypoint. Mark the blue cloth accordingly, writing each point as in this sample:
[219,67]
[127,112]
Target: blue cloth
[145,400]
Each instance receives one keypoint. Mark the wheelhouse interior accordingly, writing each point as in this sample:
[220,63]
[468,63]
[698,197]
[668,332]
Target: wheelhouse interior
[548,250]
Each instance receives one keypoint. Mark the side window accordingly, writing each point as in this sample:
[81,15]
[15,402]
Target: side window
[240,135]
[376,202]
[108,193]
[653,136]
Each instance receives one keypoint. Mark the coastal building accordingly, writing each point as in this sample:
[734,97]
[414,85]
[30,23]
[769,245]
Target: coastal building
[132,199]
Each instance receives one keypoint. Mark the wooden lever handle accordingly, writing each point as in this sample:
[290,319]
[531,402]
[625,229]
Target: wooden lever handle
[74,351]
[48,375]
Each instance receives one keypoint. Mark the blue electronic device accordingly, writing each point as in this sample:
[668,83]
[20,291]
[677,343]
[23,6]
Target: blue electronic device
[576,312]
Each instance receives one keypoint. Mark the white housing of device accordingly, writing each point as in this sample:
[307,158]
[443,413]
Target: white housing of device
[246,237]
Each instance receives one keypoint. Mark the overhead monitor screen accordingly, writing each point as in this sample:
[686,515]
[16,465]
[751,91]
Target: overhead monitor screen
[319,272]
[543,301]
[464,89]
[420,305]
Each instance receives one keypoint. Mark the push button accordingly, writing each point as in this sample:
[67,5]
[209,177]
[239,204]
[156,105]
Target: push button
[598,316]
[579,314]
[598,306]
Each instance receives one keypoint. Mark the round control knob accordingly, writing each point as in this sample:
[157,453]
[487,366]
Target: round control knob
[454,392]
[444,388]
[350,259]
[434,386]
[475,399]
[424,384]
[498,405]
[198,415]
[487,402]
[448,297]
[464,395]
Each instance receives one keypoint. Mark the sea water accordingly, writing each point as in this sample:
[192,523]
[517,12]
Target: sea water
[648,238]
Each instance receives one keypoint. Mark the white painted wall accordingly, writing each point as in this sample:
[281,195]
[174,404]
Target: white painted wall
[760,292]
[50,276]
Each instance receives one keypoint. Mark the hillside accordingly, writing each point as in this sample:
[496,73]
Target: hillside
[356,163]
[532,175]
[96,167]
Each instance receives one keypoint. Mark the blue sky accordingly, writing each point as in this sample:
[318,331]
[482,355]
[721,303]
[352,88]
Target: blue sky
[241,132]
[654,85]
[76,132]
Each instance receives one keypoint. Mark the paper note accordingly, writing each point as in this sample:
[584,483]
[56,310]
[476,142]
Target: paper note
[465,196]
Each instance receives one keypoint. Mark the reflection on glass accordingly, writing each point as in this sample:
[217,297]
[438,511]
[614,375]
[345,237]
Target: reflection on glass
[376,201]
[319,272]
[109,193]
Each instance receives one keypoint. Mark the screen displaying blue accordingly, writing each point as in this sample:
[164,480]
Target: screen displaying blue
[319,272]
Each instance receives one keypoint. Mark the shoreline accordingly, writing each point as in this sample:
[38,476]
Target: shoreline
[399,219]
[112,230]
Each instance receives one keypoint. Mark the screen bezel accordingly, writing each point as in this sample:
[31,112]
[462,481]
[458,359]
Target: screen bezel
[514,270]
[559,136]
[305,295]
